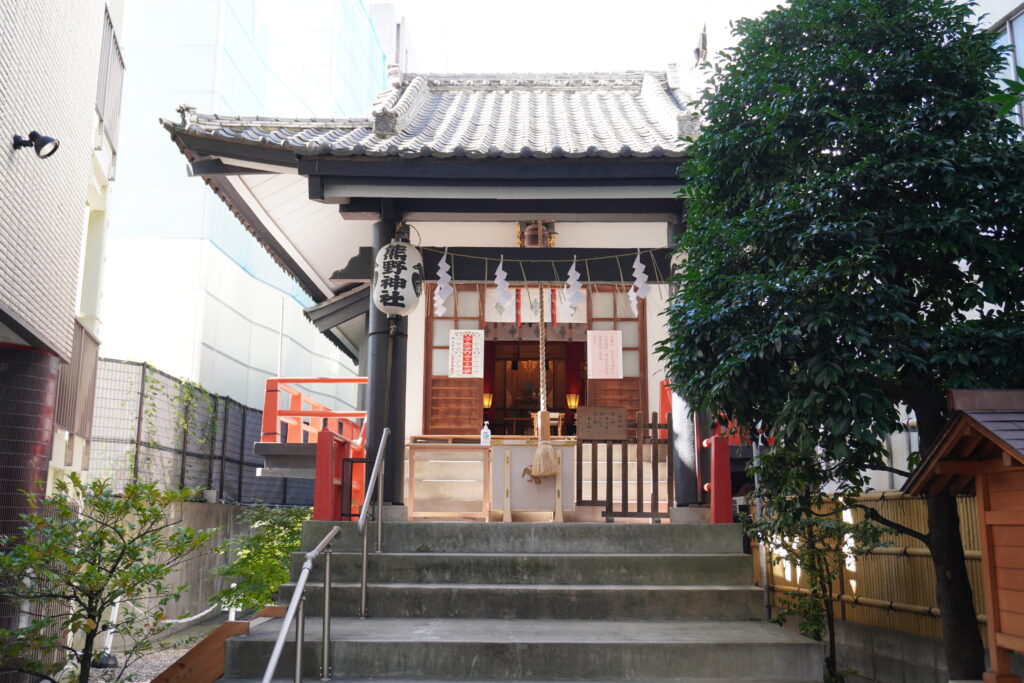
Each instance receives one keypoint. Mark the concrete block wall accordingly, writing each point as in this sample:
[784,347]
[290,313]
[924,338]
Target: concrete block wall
[197,572]
[878,655]
[49,57]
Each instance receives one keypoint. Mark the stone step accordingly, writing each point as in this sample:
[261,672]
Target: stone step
[545,601]
[456,537]
[539,650]
[721,569]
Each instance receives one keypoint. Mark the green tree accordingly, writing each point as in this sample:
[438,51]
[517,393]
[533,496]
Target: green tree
[803,524]
[83,548]
[261,558]
[855,243]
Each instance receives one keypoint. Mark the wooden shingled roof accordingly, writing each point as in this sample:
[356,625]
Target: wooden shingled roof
[985,434]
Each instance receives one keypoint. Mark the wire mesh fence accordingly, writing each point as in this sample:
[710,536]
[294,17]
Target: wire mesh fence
[151,427]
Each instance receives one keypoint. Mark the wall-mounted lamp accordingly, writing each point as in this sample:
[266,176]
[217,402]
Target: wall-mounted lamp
[45,146]
[572,401]
[488,400]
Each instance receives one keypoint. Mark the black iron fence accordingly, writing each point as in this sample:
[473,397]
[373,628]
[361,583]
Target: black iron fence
[149,426]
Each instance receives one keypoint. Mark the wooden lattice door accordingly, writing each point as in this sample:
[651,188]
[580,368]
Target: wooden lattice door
[451,405]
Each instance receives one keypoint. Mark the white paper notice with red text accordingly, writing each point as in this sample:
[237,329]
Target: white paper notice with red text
[466,353]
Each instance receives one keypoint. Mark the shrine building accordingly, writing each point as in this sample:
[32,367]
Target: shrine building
[529,197]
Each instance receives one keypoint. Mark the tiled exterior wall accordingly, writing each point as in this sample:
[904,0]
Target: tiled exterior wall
[49,55]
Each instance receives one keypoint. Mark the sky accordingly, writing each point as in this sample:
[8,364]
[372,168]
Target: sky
[564,35]
[465,36]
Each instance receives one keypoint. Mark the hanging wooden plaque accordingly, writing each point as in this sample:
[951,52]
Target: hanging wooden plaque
[601,423]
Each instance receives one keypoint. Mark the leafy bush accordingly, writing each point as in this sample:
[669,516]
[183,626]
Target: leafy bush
[261,559]
[82,549]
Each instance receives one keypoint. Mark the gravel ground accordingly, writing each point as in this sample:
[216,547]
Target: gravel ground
[156,661]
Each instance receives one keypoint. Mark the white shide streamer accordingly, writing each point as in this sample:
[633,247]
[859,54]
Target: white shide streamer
[504,296]
[573,292]
[444,285]
[639,289]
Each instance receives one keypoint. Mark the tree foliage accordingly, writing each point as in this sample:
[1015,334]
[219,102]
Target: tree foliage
[817,532]
[83,548]
[261,559]
[855,242]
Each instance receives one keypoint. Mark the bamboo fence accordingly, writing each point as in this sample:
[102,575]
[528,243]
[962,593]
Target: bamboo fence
[893,586]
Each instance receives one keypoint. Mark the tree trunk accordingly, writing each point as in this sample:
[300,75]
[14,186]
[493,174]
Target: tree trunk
[85,659]
[830,622]
[961,637]
[965,655]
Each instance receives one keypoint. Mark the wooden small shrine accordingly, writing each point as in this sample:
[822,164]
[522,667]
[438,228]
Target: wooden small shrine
[981,450]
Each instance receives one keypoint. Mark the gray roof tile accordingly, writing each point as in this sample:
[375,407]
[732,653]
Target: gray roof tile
[629,114]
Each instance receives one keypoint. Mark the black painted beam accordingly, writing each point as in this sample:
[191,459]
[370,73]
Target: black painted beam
[433,169]
[589,210]
[477,264]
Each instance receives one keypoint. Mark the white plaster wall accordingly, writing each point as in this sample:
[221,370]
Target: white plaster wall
[656,332]
[49,63]
[415,373]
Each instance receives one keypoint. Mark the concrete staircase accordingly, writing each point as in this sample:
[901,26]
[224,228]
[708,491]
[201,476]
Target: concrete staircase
[541,602]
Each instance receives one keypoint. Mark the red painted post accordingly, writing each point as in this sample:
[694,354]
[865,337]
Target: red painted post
[271,427]
[326,482]
[721,479]
[664,405]
[295,423]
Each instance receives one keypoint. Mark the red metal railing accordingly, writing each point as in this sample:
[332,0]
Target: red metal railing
[300,408]
[720,485]
[340,455]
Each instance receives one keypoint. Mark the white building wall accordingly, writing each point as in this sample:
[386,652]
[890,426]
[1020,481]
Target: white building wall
[187,289]
[48,70]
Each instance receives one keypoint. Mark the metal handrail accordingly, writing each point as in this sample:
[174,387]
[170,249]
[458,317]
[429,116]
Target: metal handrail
[296,608]
[297,605]
[376,480]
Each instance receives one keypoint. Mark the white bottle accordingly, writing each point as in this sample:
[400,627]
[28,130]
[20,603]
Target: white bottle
[485,435]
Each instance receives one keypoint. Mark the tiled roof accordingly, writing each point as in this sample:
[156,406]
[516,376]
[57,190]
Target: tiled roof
[629,114]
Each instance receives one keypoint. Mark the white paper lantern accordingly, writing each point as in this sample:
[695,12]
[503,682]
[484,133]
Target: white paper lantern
[397,278]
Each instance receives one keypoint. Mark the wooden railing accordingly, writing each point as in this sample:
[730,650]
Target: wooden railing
[615,496]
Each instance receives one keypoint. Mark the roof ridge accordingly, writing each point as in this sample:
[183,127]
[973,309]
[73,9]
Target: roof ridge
[279,121]
[399,107]
[597,79]
[653,94]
